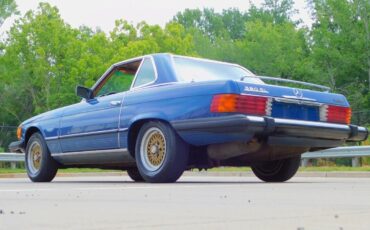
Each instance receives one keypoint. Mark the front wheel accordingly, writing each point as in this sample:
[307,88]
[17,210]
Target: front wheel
[41,167]
[161,155]
[277,170]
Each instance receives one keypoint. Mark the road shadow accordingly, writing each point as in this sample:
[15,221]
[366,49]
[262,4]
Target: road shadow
[180,182]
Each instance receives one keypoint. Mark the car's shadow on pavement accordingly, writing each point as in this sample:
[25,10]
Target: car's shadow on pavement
[210,182]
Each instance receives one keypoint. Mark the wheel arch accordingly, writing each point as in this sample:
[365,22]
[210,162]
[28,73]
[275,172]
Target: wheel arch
[134,129]
[29,132]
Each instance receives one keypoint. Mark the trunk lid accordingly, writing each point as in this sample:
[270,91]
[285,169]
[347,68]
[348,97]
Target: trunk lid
[294,103]
[292,93]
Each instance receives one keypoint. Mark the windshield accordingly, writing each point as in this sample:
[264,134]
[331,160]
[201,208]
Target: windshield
[194,70]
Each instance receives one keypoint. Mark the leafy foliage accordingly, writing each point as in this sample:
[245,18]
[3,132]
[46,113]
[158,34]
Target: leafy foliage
[341,47]
[7,8]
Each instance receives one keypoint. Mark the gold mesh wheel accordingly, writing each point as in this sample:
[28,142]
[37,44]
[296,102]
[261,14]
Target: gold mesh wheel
[34,157]
[41,167]
[153,149]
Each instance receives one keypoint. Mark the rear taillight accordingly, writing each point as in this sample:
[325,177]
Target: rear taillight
[335,114]
[234,103]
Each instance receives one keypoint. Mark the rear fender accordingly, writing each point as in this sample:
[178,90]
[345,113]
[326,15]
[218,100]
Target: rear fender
[148,116]
[135,125]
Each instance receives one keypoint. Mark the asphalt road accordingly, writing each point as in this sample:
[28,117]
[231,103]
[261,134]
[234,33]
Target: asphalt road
[203,202]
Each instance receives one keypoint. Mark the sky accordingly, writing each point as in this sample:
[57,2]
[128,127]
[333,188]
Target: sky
[102,14]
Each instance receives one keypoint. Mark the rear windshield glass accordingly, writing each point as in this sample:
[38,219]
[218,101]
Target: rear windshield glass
[194,70]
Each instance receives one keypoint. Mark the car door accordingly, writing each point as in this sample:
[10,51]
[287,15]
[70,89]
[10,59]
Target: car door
[93,124]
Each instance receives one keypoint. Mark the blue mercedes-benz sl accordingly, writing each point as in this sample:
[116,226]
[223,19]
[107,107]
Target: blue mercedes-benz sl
[158,115]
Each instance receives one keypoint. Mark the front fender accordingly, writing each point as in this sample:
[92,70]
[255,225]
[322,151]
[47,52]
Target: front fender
[31,129]
[49,129]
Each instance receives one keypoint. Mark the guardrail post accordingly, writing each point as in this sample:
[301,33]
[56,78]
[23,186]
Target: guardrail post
[305,162]
[13,165]
[355,161]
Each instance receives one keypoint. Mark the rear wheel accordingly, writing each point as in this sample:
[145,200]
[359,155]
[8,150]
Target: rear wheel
[41,167]
[161,155]
[134,174]
[277,170]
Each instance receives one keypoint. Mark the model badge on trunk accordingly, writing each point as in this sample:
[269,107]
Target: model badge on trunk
[255,89]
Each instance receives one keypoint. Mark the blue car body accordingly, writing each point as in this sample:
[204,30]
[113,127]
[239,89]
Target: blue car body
[92,132]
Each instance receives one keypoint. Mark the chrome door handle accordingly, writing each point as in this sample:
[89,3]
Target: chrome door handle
[115,103]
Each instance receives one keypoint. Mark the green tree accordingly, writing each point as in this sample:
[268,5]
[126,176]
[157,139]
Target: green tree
[280,10]
[214,34]
[340,46]
[45,59]
[234,23]
[275,50]
[7,8]
[208,22]
[264,39]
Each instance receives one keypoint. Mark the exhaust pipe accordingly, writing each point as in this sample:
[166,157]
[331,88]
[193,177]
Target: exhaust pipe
[232,149]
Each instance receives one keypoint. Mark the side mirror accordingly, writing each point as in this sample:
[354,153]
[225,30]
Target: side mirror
[84,92]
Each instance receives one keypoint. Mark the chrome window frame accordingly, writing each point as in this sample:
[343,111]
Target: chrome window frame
[138,70]
[117,65]
[113,67]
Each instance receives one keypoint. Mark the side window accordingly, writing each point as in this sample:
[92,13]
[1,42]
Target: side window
[119,80]
[146,73]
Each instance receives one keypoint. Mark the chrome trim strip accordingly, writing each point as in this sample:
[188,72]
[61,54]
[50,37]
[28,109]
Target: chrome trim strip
[327,89]
[255,95]
[122,129]
[299,98]
[299,122]
[310,123]
[255,118]
[155,85]
[298,102]
[89,133]
[51,138]
[82,153]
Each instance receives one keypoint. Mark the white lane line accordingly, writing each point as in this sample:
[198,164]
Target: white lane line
[112,188]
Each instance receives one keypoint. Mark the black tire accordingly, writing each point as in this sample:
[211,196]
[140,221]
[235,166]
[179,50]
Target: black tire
[164,163]
[134,174]
[278,170]
[41,167]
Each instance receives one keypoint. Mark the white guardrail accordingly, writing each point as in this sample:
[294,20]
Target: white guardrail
[353,152]
[12,157]
[349,151]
